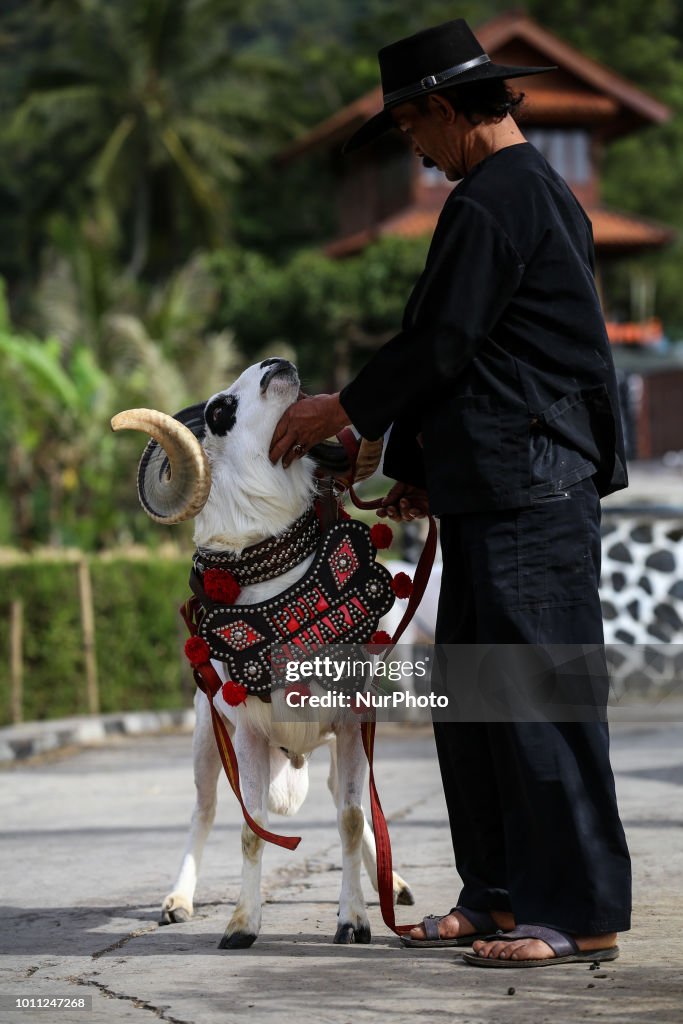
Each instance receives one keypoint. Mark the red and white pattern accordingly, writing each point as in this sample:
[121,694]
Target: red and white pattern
[343,562]
[239,635]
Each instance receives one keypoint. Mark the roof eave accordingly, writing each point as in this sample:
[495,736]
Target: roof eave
[642,108]
[498,31]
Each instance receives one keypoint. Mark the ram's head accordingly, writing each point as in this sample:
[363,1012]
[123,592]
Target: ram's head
[228,438]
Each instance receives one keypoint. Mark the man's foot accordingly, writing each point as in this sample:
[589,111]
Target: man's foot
[455,925]
[536,949]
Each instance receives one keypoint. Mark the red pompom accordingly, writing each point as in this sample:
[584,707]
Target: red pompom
[381,535]
[402,585]
[380,637]
[300,688]
[234,693]
[221,586]
[197,651]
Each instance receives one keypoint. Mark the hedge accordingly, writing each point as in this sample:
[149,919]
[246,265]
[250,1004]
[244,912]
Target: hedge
[138,634]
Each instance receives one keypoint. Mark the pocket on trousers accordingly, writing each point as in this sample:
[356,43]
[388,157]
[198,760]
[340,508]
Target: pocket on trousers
[549,499]
[554,555]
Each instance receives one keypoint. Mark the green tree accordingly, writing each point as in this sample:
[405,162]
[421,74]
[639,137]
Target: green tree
[640,172]
[68,479]
[49,420]
[137,117]
[329,312]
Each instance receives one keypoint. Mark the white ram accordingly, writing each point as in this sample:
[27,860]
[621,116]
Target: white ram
[220,474]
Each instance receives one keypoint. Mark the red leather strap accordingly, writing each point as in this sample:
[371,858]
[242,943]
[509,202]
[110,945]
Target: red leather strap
[423,568]
[351,444]
[209,681]
[385,871]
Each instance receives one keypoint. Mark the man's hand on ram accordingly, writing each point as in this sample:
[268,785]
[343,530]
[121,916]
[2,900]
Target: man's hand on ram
[404,503]
[309,421]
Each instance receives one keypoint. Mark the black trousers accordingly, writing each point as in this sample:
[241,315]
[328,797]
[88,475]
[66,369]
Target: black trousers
[531,804]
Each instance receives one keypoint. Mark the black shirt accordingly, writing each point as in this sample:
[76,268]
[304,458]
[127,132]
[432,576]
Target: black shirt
[503,352]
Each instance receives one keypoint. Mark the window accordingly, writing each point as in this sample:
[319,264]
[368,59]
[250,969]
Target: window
[565,149]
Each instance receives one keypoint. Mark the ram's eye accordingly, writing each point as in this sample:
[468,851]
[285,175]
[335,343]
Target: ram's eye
[221,414]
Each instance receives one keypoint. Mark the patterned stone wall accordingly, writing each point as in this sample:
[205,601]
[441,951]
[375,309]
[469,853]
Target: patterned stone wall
[642,600]
[642,579]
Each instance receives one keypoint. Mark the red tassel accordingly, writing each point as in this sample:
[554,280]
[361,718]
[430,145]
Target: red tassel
[380,637]
[402,585]
[381,535]
[197,651]
[234,693]
[221,586]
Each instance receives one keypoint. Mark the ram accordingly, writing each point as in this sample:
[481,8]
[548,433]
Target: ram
[256,529]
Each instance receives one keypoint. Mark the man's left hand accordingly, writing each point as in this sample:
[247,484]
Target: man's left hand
[404,503]
[309,421]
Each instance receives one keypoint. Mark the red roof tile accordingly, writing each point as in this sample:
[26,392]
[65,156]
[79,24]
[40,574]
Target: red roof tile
[629,105]
[615,230]
[560,105]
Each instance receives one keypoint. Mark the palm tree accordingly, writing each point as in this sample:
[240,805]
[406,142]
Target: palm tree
[67,479]
[142,113]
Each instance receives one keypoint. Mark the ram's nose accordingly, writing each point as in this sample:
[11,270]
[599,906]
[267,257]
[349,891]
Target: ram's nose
[276,368]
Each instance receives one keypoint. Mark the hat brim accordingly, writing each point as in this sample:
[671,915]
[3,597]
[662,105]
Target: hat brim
[383,122]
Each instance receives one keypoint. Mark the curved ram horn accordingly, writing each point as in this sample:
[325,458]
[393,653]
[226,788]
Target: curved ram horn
[174,477]
[369,456]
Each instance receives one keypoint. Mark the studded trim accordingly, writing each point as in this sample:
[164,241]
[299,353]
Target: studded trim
[269,558]
[338,602]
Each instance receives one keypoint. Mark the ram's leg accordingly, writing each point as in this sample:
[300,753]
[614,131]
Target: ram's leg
[402,891]
[254,761]
[353,924]
[177,906]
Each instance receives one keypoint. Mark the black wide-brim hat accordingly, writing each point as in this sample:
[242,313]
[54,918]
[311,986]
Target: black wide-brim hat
[436,58]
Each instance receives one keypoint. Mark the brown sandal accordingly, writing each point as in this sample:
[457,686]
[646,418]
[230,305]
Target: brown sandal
[563,946]
[479,919]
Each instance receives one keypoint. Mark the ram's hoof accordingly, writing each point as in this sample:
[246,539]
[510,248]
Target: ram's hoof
[404,897]
[177,916]
[175,909]
[238,940]
[348,933]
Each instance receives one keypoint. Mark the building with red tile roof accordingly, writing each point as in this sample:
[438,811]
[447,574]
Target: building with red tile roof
[569,114]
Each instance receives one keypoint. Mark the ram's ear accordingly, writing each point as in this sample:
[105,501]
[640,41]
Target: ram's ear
[193,418]
[174,478]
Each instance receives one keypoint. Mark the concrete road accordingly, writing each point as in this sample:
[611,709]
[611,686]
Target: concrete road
[92,841]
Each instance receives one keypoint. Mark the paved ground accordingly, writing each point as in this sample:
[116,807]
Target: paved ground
[92,841]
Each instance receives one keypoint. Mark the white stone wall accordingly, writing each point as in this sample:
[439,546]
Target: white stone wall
[642,601]
[641,589]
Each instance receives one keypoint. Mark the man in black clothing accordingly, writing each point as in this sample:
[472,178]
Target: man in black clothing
[501,395]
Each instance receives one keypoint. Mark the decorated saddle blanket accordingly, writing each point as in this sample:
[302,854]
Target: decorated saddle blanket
[339,600]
